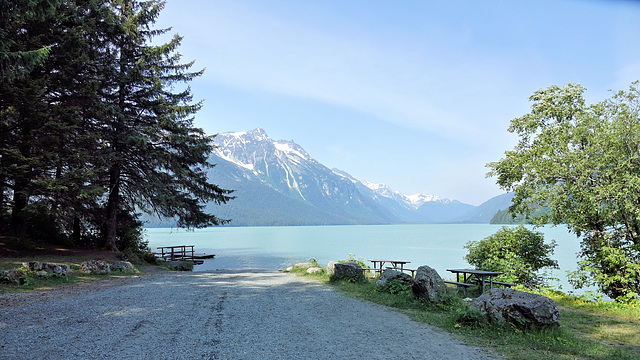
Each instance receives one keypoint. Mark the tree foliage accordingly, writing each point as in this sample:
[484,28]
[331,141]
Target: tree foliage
[518,252]
[92,130]
[583,163]
[155,159]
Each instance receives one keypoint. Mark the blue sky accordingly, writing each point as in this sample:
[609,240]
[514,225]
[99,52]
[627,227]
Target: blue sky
[414,94]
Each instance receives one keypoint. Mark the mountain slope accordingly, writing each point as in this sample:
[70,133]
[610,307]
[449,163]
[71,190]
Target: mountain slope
[487,210]
[279,183]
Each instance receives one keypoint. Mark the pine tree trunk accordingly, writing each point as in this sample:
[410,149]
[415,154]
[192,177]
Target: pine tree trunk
[76,230]
[112,208]
[18,217]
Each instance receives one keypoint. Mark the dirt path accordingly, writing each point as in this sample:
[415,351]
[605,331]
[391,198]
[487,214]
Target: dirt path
[214,315]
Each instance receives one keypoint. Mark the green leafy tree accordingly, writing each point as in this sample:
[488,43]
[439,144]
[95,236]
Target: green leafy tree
[583,163]
[518,252]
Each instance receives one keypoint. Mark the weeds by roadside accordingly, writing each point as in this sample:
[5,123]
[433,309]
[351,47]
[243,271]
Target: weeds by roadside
[589,330]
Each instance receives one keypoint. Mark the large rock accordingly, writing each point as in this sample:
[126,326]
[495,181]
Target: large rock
[390,274]
[303,265]
[123,266]
[48,268]
[16,276]
[95,267]
[520,308]
[428,284]
[347,269]
[331,267]
[314,270]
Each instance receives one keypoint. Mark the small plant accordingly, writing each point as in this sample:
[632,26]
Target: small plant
[353,279]
[396,287]
[314,262]
[352,258]
[468,317]
[184,266]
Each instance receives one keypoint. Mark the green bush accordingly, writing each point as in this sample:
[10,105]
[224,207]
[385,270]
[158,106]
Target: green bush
[611,263]
[396,286]
[352,258]
[517,252]
[184,266]
[468,317]
[354,279]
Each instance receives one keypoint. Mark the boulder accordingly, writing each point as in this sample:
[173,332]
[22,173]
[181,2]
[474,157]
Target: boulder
[16,276]
[331,267]
[180,265]
[347,269]
[520,308]
[303,265]
[123,266]
[95,267]
[391,274]
[314,270]
[49,268]
[428,284]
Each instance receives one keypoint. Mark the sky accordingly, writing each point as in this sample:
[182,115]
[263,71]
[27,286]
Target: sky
[417,95]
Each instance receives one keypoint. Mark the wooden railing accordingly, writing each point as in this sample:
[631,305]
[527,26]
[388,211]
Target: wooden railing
[180,252]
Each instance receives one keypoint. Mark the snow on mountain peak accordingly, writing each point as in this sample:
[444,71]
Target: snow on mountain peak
[420,199]
[382,189]
[254,151]
[290,149]
[415,200]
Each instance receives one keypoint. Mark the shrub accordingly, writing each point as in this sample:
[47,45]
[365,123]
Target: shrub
[396,286]
[357,279]
[468,317]
[352,258]
[611,263]
[517,252]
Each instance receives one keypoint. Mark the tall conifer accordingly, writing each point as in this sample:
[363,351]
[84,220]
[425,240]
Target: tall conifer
[91,131]
[155,158]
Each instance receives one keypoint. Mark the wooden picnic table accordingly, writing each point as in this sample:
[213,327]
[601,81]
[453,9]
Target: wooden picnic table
[480,275]
[394,264]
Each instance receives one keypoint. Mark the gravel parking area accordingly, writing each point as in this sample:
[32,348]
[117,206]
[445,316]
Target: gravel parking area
[214,315]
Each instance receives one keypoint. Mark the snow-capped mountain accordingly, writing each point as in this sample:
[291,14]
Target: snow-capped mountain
[415,200]
[277,182]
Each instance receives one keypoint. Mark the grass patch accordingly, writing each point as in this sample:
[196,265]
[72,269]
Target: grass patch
[589,330]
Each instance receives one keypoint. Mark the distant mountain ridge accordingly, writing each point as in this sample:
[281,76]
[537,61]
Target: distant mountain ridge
[277,182]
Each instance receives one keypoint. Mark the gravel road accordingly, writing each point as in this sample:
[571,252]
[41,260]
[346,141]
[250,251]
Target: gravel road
[213,315]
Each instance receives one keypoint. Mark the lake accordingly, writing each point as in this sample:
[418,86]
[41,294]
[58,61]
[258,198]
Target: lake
[441,246]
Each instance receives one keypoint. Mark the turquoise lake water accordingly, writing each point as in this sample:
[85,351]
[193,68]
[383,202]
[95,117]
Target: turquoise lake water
[441,246]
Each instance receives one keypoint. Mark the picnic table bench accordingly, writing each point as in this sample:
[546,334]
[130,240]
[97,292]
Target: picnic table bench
[459,285]
[395,265]
[470,276]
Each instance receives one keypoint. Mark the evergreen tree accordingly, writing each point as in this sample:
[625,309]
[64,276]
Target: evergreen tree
[18,57]
[45,112]
[155,158]
[92,133]
[24,45]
